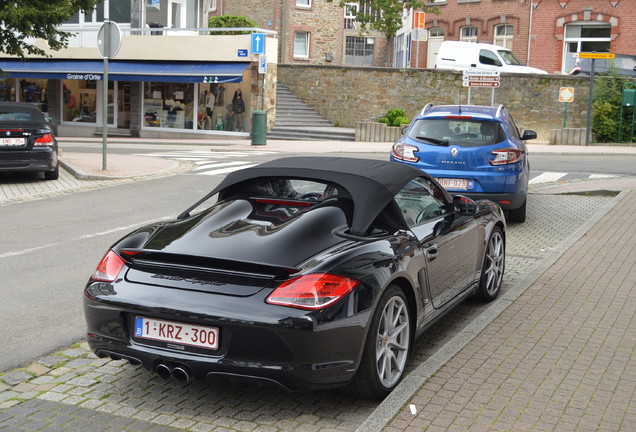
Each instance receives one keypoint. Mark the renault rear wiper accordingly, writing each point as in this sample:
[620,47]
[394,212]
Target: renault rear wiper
[433,140]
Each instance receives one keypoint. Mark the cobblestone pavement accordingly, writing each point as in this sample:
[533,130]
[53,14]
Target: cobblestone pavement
[73,390]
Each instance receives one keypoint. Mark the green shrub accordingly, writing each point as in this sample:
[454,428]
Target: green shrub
[606,109]
[394,117]
[230,21]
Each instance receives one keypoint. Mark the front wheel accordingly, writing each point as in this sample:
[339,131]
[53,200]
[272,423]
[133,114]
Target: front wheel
[387,347]
[493,267]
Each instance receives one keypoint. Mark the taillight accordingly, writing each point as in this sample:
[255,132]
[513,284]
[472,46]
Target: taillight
[506,156]
[44,140]
[108,268]
[312,291]
[405,152]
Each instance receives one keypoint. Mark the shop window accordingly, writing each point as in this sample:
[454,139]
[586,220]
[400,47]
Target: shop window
[301,44]
[169,105]
[468,34]
[503,35]
[79,101]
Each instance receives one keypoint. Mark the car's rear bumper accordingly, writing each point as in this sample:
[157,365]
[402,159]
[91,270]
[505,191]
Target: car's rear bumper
[41,160]
[505,201]
[296,351]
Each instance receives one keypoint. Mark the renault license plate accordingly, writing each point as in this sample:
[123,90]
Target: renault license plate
[457,184]
[174,332]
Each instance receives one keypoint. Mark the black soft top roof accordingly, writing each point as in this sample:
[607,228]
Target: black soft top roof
[371,183]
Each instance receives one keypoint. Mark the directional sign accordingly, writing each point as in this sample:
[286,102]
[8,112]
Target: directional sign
[480,78]
[258,43]
[480,83]
[566,94]
[593,55]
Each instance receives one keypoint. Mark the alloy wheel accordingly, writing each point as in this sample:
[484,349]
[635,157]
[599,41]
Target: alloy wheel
[392,341]
[494,264]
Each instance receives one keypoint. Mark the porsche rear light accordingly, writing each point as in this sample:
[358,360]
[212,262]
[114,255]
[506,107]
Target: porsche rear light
[108,268]
[312,291]
[405,152]
[506,156]
[44,140]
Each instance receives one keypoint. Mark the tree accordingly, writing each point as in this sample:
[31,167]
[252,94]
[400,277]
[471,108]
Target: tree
[24,19]
[386,15]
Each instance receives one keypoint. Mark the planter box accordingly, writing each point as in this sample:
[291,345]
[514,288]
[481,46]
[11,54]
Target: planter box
[377,132]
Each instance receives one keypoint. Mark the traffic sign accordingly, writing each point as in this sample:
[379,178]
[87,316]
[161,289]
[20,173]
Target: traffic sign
[262,64]
[258,43]
[482,78]
[472,72]
[593,55]
[566,94]
[420,35]
[109,48]
[419,20]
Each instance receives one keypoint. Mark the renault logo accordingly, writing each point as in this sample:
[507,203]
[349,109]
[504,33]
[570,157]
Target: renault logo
[454,151]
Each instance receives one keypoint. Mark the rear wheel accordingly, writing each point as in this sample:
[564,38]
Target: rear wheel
[493,268]
[387,347]
[52,175]
[518,214]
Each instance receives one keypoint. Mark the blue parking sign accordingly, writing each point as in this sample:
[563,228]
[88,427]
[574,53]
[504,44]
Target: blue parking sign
[258,43]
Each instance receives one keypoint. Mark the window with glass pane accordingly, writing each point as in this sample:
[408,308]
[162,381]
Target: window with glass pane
[503,35]
[469,34]
[303,3]
[79,101]
[436,32]
[301,44]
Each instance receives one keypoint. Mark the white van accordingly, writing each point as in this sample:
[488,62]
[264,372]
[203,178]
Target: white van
[470,55]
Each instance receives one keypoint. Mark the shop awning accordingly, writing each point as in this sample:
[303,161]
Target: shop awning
[192,72]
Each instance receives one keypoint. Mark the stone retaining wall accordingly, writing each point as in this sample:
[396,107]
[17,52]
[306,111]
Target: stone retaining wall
[347,95]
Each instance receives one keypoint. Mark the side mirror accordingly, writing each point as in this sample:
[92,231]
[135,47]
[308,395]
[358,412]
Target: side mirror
[528,135]
[403,129]
[464,206]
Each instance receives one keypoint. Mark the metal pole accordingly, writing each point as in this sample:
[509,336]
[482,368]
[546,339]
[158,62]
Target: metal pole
[105,83]
[565,114]
[589,106]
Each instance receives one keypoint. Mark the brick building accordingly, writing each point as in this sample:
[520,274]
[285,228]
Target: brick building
[542,33]
[312,31]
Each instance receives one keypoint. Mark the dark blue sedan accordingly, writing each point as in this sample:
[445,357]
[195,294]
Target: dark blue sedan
[476,151]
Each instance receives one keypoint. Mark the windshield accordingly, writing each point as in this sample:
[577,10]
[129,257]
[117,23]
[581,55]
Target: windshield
[510,58]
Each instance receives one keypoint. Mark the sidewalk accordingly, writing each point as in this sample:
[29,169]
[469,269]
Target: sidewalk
[558,355]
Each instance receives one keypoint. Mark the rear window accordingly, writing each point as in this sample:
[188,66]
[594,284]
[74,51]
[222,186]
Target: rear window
[17,116]
[282,188]
[462,132]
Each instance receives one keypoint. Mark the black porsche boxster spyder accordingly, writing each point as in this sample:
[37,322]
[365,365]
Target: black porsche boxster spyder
[307,272]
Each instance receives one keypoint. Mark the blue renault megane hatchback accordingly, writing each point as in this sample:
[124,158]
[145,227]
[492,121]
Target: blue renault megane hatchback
[475,151]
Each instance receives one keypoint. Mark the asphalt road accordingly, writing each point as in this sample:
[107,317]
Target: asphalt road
[50,246]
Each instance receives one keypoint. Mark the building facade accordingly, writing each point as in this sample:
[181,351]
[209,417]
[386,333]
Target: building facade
[317,32]
[169,77]
[546,34]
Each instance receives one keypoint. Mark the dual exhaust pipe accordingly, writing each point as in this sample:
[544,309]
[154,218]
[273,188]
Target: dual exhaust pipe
[180,373]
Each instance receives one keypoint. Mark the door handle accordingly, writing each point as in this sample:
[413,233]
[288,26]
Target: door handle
[431,252]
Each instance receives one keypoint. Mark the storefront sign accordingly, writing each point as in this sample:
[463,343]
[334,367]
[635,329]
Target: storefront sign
[89,77]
